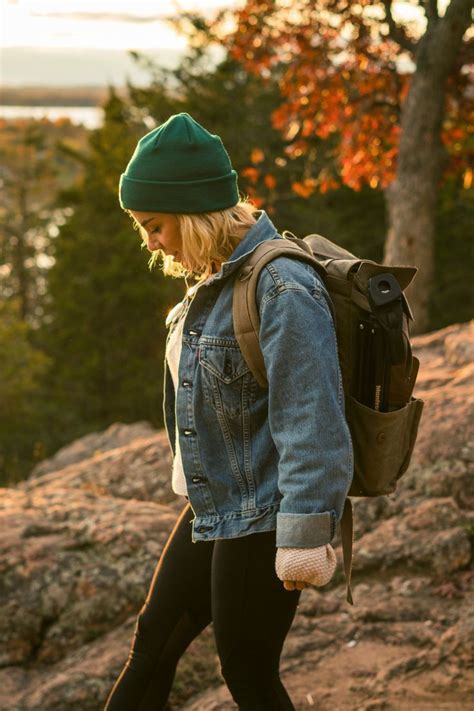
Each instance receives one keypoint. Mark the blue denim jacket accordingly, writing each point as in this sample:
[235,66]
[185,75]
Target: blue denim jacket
[256,459]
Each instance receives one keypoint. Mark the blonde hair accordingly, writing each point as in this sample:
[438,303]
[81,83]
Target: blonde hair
[207,237]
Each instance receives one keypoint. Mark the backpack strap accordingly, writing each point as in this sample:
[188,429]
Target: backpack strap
[347,539]
[245,313]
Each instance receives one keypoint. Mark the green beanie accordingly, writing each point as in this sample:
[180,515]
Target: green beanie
[179,167]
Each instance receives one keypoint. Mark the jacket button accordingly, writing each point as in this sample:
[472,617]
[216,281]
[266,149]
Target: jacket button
[186,384]
[196,479]
[188,432]
[192,332]
[203,529]
[381,437]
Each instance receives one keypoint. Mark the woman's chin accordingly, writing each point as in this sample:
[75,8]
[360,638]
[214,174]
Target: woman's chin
[174,256]
[178,259]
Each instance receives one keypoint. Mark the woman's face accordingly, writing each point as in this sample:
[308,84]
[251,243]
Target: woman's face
[162,232]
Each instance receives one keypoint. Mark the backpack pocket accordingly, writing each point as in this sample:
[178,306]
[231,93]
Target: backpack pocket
[383,444]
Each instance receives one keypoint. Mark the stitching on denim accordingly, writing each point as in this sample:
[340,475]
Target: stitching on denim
[339,373]
[229,445]
[219,374]
[340,395]
[282,288]
[243,515]
[245,422]
[280,284]
[341,392]
[274,273]
[226,341]
[316,291]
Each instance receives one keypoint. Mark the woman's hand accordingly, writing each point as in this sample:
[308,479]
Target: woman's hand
[294,584]
[300,567]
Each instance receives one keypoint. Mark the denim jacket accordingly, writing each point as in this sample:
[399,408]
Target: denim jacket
[258,459]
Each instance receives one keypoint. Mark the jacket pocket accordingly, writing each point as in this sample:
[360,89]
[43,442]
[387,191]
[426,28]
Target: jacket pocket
[225,377]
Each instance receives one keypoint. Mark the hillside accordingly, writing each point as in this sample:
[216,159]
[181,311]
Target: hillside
[55,95]
[82,536]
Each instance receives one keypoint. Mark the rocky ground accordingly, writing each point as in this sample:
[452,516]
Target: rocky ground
[82,536]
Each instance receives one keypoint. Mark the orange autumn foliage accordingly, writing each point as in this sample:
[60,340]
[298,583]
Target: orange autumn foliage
[350,94]
[270,181]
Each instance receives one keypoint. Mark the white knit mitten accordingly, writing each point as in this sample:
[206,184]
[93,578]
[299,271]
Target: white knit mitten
[310,565]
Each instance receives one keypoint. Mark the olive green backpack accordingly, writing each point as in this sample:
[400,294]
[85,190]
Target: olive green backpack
[371,316]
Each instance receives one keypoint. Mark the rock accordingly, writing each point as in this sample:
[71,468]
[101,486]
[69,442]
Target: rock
[432,535]
[117,435]
[446,384]
[82,536]
[85,571]
[458,641]
[139,470]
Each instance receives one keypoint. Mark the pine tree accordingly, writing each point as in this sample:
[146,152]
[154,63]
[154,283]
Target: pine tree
[104,328]
[22,367]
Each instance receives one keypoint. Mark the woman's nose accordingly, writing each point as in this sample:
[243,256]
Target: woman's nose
[153,245]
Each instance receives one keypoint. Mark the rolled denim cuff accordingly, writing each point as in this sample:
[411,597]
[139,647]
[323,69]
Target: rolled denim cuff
[300,530]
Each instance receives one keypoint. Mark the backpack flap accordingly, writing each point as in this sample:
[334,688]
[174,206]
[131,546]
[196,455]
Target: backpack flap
[323,248]
[404,276]
[368,268]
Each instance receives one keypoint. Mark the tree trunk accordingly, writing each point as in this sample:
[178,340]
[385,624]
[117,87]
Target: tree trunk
[412,197]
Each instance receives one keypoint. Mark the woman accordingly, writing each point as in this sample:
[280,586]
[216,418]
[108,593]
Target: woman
[265,471]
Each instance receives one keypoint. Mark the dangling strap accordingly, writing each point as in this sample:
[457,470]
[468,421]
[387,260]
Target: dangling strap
[347,537]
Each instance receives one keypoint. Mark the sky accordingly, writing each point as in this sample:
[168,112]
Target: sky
[115,24]
[86,42]
[57,42]
[104,24]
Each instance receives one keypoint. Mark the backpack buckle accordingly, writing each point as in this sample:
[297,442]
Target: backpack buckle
[385,297]
[383,289]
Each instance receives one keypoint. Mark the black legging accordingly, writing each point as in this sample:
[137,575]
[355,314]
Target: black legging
[230,582]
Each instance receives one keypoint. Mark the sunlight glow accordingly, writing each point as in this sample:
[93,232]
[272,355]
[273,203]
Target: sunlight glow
[121,24]
[99,24]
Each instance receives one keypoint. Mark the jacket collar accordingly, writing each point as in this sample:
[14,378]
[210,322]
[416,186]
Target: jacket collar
[262,230]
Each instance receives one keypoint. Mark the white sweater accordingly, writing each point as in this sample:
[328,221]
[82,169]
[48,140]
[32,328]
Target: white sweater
[173,353]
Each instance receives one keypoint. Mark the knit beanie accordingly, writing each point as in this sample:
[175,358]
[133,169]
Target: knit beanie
[179,167]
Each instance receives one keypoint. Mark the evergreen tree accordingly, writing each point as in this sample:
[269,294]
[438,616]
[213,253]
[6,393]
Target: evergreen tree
[22,366]
[104,329]
[28,175]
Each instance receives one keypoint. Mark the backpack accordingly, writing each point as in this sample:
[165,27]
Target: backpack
[371,317]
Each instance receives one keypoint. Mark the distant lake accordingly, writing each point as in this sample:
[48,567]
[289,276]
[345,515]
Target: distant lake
[88,116]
